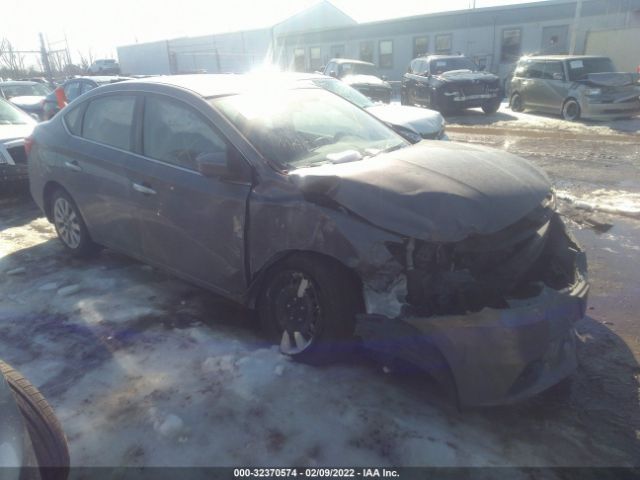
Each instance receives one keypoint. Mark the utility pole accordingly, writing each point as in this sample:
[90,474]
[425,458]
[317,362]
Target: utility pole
[574,29]
[45,59]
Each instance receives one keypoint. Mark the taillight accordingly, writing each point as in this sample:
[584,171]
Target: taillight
[28,144]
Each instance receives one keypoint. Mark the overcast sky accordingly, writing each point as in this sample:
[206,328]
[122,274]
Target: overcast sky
[102,26]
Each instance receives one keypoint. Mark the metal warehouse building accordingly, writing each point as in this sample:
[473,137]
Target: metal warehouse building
[494,37]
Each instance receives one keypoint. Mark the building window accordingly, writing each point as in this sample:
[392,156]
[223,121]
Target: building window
[443,43]
[366,51]
[386,54]
[337,51]
[420,46]
[511,42]
[298,60]
[316,58]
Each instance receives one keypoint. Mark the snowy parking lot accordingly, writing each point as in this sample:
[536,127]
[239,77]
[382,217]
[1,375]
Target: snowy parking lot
[145,369]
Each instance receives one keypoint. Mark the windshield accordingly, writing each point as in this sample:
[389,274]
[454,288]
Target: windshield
[344,90]
[441,65]
[581,67]
[307,127]
[10,115]
[357,69]
[36,89]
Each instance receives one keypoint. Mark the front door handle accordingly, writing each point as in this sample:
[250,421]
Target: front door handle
[73,165]
[143,189]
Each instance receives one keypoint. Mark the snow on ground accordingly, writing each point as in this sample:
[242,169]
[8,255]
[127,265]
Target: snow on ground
[505,118]
[618,202]
[144,369]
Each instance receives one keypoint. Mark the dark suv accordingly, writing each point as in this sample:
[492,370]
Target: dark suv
[450,83]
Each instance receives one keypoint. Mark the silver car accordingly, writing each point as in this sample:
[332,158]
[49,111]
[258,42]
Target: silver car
[575,87]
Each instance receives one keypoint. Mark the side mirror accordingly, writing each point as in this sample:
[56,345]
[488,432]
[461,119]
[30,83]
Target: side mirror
[213,164]
[558,76]
[333,74]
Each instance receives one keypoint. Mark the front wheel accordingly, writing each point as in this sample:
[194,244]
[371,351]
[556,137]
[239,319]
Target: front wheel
[571,110]
[516,104]
[308,305]
[491,106]
[70,227]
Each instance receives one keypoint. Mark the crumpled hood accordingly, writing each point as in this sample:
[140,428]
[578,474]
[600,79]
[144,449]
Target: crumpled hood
[435,191]
[364,80]
[466,76]
[612,79]
[11,132]
[27,101]
[421,120]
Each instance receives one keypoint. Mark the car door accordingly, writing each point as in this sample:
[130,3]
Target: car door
[190,223]
[533,88]
[556,87]
[93,171]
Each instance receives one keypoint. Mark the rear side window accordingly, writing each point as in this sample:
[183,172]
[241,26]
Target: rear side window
[553,71]
[175,133]
[535,70]
[109,119]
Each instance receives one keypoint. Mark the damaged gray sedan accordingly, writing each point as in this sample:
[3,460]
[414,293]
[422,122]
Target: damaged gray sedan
[297,203]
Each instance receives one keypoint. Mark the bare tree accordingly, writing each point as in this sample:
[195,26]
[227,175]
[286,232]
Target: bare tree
[10,59]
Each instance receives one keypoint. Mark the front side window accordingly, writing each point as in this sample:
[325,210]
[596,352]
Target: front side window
[510,48]
[443,44]
[386,54]
[366,51]
[175,133]
[307,127]
[108,120]
[420,46]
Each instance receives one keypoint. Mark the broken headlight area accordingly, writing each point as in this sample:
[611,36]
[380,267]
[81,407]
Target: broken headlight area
[488,270]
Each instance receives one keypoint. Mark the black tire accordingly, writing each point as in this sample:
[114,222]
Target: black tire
[71,229]
[329,301]
[491,106]
[571,110]
[47,437]
[516,104]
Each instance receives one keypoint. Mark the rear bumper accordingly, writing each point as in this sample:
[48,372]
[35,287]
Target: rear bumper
[494,356]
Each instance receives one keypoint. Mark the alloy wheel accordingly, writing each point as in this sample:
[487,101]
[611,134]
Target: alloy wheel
[67,223]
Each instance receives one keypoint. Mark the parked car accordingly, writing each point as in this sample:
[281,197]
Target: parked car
[574,86]
[295,202]
[360,75]
[32,443]
[449,84]
[413,123]
[106,66]
[15,126]
[73,88]
[28,96]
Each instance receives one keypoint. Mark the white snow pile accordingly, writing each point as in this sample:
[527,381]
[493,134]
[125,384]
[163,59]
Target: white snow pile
[619,202]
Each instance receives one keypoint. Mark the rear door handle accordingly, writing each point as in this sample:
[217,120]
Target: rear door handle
[73,165]
[143,189]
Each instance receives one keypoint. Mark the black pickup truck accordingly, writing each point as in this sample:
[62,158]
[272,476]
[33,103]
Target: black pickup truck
[450,83]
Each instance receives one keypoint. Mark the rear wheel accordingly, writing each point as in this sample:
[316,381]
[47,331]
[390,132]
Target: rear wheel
[308,305]
[571,110]
[516,104]
[70,226]
[47,437]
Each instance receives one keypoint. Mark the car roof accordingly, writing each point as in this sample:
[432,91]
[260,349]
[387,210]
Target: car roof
[561,57]
[218,84]
[348,60]
[18,82]
[436,57]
